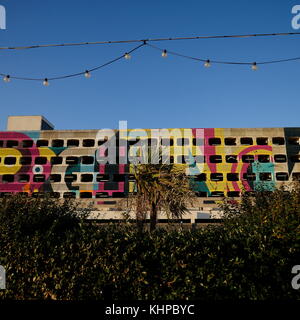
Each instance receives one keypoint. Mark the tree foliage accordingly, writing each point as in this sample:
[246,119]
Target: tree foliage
[50,251]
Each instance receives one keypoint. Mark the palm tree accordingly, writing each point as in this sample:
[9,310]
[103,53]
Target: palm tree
[161,187]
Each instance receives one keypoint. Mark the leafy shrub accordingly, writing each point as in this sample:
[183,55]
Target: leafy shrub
[50,251]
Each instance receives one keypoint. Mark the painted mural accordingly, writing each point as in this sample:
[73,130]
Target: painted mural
[217,162]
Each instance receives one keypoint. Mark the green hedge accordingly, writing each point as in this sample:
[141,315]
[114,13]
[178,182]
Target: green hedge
[51,252]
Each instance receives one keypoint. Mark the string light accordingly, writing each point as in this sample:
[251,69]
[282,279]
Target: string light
[207,64]
[127,56]
[6,78]
[254,66]
[46,82]
[87,74]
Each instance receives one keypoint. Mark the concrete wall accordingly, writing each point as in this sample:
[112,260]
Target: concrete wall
[273,153]
[28,123]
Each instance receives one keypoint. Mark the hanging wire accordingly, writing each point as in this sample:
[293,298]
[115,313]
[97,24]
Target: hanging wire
[150,40]
[73,74]
[207,62]
[220,61]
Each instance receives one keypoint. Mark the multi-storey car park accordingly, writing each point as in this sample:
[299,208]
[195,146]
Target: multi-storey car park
[36,159]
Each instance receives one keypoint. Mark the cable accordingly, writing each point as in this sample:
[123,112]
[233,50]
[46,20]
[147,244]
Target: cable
[164,51]
[208,62]
[73,74]
[150,40]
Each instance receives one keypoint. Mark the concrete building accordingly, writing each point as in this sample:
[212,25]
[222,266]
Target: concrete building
[36,159]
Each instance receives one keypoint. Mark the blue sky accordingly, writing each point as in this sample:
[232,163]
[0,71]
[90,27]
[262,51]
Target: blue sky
[149,91]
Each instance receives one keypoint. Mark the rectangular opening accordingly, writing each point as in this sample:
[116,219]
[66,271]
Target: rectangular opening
[249,176]
[69,195]
[70,177]
[72,160]
[101,194]
[198,142]
[200,177]
[24,178]
[181,159]
[57,143]
[216,176]
[296,176]
[217,194]
[133,140]
[233,194]
[42,143]
[278,141]
[87,177]
[102,141]
[12,143]
[87,160]
[88,143]
[282,176]
[295,158]
[232,177]
[10,161]
[248,158]
[73,143]
[246,141]
[23,194]
[231,158]
[86,195]
[152,142]
[262,141]
[55,195]
[294,141]
[38,195]
[263,158]
[56,160]
[25,161]
[215,159]
[171,160]
[5,194]
[201,194]
[280,158]
[167,142]
[118,195]
[1,143]
[55,178]
[200,159]
[131,178]
[39,178]
[183,141]
[7,178]
[102,177]
[119,178]
[40,160]
[230,141]
[27,144]
[214,141]
[250,193]
[265,176]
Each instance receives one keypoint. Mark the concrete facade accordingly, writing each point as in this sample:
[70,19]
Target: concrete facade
[220,161]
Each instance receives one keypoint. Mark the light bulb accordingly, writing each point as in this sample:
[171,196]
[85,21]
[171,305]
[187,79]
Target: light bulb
[254,66]
[87,74]
[127,56]
[207,64]
[164,54]
[6,78]
[46,82]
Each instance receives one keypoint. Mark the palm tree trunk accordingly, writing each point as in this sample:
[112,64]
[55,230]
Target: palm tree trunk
[153,217]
